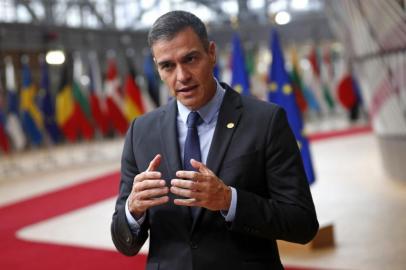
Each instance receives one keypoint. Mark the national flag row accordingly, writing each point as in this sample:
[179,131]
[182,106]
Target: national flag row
[36,114]
[325,86]
[106,107]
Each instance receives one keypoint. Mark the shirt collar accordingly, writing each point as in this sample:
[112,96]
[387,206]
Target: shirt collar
[208,111]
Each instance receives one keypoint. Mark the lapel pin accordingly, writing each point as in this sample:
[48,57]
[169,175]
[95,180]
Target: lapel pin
[230,125]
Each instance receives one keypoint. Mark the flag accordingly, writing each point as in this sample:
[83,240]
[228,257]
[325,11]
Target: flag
[82,113]
[13,125]
[347,92]
[327,79]
[4,142]
[314,61]
[32,120]
[297,82]
[320,72]
[47,105]
[114,99]
[133,103]
[281,92]
[311,99]
[239,79]
[65,105]
[152,79]
[95,97]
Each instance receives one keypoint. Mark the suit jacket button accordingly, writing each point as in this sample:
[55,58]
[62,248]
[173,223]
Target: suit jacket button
[193,245]
[128,240]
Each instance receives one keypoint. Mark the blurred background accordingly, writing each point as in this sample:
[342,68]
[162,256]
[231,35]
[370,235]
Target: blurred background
[75,73]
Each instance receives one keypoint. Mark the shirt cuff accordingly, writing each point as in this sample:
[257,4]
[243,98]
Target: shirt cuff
[230,214]
[135,225]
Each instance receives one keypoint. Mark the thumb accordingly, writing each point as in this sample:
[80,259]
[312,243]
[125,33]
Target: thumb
[154,164]
[200,166]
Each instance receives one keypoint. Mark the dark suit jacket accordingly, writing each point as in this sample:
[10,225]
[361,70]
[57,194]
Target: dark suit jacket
[259,157]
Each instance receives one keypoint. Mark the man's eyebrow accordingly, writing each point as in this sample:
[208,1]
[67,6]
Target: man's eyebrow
[189,54]
[192,53]
[164,62]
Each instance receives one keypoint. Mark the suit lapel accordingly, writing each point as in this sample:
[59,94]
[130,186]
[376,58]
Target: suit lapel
[169,138]
[227,122]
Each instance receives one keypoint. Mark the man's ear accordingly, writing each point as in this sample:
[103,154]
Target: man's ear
[157,69]
[212,52]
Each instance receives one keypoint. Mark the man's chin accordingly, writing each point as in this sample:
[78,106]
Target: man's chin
[190,103]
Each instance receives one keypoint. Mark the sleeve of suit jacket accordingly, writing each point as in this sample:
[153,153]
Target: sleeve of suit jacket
[124,240]
[286,210]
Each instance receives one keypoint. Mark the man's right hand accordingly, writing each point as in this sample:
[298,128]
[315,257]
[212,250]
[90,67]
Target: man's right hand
[148,190]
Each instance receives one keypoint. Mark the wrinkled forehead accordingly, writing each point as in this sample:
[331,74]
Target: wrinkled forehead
[179,45]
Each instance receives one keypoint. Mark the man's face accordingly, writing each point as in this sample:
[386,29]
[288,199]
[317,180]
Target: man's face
[187,68]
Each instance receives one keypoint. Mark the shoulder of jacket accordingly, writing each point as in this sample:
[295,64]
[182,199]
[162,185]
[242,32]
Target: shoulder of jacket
[259,106]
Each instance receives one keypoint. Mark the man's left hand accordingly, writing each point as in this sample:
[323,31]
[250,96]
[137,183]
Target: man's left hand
[201,188]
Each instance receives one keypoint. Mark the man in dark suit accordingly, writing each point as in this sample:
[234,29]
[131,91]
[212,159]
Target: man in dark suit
[214,178]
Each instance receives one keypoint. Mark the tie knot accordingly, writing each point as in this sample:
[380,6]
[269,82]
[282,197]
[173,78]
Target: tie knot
[193,119]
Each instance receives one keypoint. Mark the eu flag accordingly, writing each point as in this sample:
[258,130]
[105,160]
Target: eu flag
[239,80]
[47,105]
[280,92]
[152,79]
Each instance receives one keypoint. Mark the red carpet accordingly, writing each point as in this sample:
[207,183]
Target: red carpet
[20,254]
[339,133]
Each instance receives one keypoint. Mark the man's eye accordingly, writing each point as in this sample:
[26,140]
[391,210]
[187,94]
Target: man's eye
[166,67]
[190,59]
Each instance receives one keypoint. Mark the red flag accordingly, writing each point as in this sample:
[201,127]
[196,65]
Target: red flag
[133,104]
[97,105]
[99,117]
[346,92]
[4,144]
[314,62]
[82,112]
[114,100]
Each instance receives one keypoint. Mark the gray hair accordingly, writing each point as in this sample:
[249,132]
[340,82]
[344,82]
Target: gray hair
[173,22]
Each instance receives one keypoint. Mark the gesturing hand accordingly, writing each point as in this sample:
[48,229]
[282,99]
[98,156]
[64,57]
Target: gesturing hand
[148,189]
[202,188]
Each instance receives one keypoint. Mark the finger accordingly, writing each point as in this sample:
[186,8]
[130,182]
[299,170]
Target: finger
[186,184]
[148,184]
[154,164]
[192,175]
[154,202]
[186,193]
[150,194]
[200,167]
[186,202]
[147,175]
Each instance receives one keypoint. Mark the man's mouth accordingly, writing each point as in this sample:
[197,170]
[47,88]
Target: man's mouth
[186,89]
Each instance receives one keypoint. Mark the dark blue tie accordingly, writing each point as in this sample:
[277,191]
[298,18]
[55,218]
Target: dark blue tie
[192,144]
[192,147]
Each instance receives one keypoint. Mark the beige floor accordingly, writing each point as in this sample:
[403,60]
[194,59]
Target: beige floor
[352,192]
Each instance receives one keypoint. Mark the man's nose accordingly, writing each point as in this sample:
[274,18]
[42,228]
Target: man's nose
[183,74]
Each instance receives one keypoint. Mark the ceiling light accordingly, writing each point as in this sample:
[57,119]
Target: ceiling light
[299,4]
[282,17]
[56,57]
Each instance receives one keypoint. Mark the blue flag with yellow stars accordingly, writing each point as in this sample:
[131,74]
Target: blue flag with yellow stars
[280,92]
[240,79]
[47,105]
